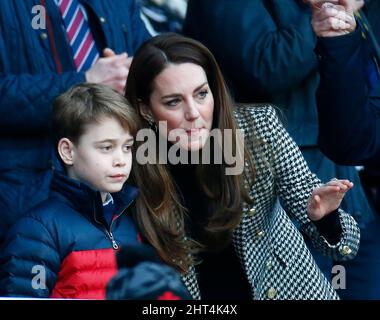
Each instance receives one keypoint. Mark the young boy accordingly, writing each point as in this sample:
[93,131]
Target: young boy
[65,247]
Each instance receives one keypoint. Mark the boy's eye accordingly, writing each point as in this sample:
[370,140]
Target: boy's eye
[127,148]
[105,148]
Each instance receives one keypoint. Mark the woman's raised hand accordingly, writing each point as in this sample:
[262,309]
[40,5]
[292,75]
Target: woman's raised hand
[327,198]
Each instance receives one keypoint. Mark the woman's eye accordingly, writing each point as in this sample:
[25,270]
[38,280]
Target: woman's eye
[172,103]
[202,94]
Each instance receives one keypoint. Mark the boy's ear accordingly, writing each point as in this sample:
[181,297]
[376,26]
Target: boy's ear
[66,151]
[145,112]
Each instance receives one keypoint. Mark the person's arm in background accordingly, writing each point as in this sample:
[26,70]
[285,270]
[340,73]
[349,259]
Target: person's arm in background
[29,260]
[349,113]
[139,32]
[349,110]
[25,100]
[266,44]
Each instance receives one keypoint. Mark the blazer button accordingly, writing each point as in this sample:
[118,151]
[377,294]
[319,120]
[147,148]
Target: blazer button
[345,250]
[271,293]
[269,264]
[102,20]
[260,234]
[252,212]
[43,36]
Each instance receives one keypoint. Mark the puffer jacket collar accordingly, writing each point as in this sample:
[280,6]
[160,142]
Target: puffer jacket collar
[86,200]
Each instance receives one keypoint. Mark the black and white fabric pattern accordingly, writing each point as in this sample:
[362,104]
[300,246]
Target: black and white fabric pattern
[276,260]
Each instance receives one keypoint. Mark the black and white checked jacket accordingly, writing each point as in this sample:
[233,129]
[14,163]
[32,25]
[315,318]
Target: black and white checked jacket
[276,261]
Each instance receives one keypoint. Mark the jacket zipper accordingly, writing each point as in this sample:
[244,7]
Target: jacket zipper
[114,243]
[108,232]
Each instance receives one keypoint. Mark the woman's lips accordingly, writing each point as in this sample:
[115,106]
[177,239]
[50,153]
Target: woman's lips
[194,131]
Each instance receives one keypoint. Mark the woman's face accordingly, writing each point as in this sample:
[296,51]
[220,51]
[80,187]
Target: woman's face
[182,98]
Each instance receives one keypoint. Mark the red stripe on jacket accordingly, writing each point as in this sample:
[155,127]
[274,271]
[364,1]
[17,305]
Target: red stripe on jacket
[85,274]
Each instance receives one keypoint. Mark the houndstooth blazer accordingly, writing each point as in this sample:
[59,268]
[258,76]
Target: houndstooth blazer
[276,261]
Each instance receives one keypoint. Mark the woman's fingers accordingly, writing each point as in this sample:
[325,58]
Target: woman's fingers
[344,185]
[315,202]
[348,183]
[326,190]
[339,185]
[337,188]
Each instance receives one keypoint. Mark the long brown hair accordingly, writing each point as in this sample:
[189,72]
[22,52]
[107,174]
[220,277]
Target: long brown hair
[160,214]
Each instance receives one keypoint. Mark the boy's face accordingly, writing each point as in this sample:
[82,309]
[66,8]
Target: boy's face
[102,157]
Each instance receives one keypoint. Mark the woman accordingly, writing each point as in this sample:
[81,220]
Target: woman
[227,234]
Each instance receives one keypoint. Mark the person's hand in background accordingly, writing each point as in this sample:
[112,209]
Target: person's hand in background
[331,20]
[112,70]
[335,17]
[349,5]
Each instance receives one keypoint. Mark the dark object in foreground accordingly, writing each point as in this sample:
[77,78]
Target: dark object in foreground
[142,276]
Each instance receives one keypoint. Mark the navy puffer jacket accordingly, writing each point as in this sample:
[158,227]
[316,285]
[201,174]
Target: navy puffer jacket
[64,248]
[30,79]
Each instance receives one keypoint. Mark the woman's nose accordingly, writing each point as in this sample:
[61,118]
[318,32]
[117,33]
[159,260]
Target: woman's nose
[191,112]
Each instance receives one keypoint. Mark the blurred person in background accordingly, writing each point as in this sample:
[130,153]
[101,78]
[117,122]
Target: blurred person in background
[348,109]
[163,15]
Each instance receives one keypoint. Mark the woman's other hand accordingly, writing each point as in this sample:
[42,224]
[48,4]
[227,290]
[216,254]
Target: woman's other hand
[327,198]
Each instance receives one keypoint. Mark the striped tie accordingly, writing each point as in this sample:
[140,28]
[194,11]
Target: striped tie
[79,35]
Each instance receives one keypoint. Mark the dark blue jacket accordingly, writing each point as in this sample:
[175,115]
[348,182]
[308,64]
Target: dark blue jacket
[29,81]
[372,9]
[69,238]
[349,106]
[266,51]
[349,109]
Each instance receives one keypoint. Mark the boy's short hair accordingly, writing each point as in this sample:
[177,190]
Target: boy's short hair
[88,103]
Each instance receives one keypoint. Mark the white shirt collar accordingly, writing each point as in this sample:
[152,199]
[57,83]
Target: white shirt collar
[108,200]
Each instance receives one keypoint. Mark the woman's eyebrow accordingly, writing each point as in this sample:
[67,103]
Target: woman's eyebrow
[175,95]
[200,87]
